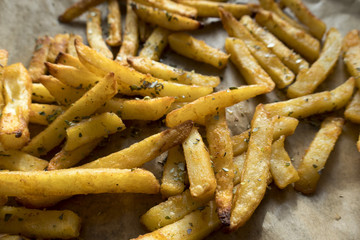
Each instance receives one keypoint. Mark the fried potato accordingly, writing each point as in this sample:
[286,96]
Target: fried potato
[210,104]
[114,23]
[308,80]
[77,9]
[145,30]
[155,44]
[171,7]
[221,151]
[316,155]
[85,106]
[14,132]
[63,224]
[68,60]
[71,50]
[295,38]
[238,163]
[4,55]
[352,111]
[40,94]
[58,44]
[351,55]
[165,19]
[94,33]
[256,169]
[36,66]
[291,59]
[19,161]
[190,47]
[145,150]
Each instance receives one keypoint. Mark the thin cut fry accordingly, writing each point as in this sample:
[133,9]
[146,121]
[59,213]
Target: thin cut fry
[58,44]
[71,50]
[13,160]
[352,111]
[351,48]
[77,9]
[155,44]
[114,22]
[171,7]
[36,66]
[40,94]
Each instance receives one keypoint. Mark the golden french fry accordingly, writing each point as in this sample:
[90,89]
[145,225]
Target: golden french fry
[295,38]
[71,46]
[40,94]
[77,9]
[36,66]
[155,44]
[210,104]
[171,7]
[85,106]
[58,44]
[190,47]
[19,161]
[316,155]
[256,169]
[14,133]
[114,22]
[238,163]
[352,111]
[63,224]
[351,55]
[309,79]
[68,60]
[4,55]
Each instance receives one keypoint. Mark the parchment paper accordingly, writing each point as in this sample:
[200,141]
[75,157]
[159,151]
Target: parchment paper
[331,213]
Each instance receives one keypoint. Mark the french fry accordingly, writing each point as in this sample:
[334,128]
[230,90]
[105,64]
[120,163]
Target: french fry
[171,7]
[71,50]
[238,163]
[155,44]
[352,111]
[351,48]
[201,175]
[63,224]
[94,33]
[4,55]
[316,27]
[316,155]
[114,22]
[282,171]
[170,21]
[221,151]
[14,133]
[36,66]
[256,169]
[77,9]
[145,150]
[291,59]
[14,160]
[309,79]
[145,30]
[68,60]
[85,106]
[210,104]
[58,44]
[40,94]
[190,47]
[281,75]
[295,38]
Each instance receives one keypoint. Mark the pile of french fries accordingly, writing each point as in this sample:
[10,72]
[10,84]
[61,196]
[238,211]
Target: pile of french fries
[211,179]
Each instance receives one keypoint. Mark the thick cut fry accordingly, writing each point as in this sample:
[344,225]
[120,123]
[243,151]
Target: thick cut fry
[77,9]
[351,48]
[68,60]
[44,114]
[256,169]
[221,151]
[171,21]
[309,79]
[247,64]
[316,27]
[190,47]
[171,7]
[4,55]
[352,111]
[282,171]
[36,66]
[40,94]
[174,173]
[85,106]
[292,60]
[295,38]
[71,50]
[114,23]
[13,160]
[145,150]
[196,225]
[316,155]
[281,75]
[210,104]
[238,163]
[166,72]
[39,223]
[201,175]
[58,44]
[14,133]
[67,182]
[155,44]
[94,33]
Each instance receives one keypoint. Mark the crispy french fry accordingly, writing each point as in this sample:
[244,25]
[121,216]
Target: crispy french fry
[39,223]
[145,150]
[85,106]
[58,44]
[221,151]
[171,21]
[4,55]
[40,94]
[77,9]
[256,169]
[291,59]
[315,25]
[316,155]
[71,46]
[155,44]
[309,79]
[190,47]
[352,111]
[19,161]
[36,66]
[351,48]
[114,22]
[14,133]
[201,175]
[238,163]
[166,72]
[295,38]
[171,7]
[210,104]
[282,171]
[68,60]
[94,33]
